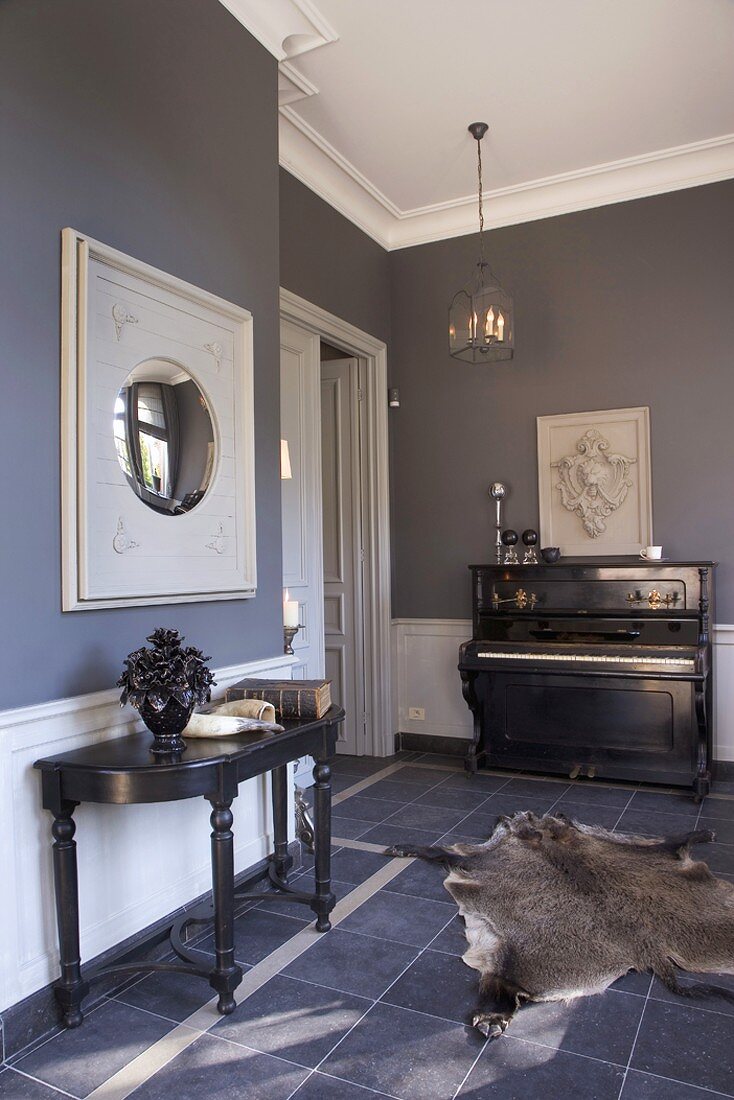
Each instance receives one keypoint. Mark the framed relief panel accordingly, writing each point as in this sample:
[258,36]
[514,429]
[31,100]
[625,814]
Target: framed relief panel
[158,477]
[594,482]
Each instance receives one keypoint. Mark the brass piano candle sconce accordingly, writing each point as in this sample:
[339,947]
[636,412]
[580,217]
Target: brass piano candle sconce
[521,600]
[655,600]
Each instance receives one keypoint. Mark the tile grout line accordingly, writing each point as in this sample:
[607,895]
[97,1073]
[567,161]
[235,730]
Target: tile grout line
[160,1053]
[634,1041]
[30,1077]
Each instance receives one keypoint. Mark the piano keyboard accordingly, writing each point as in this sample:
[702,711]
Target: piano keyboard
[589,658]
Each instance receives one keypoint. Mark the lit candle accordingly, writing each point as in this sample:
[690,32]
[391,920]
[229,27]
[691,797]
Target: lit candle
[290,611]
[489,324]
[500,327]
[472,327]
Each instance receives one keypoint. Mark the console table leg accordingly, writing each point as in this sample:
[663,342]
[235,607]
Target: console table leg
[227,975]
[281,859]
[323,903]
[71,988]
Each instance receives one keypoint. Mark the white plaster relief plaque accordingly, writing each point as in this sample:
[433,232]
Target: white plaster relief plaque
[594,482]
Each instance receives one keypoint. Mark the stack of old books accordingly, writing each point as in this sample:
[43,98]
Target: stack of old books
[305,699]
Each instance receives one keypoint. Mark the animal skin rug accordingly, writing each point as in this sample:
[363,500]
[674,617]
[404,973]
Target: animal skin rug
[555,909]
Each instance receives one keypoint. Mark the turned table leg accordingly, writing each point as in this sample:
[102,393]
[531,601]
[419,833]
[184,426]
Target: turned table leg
[226,975]
[324,900]
[281,861]
[71,988]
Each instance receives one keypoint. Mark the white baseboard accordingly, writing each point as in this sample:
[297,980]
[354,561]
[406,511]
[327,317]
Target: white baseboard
[426,653]
[129,876]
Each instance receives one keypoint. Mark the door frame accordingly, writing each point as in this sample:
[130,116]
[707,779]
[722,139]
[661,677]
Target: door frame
[372,354]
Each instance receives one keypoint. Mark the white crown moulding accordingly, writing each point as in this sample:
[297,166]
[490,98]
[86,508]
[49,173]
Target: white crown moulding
[307,156]
[288,28]
[285,28]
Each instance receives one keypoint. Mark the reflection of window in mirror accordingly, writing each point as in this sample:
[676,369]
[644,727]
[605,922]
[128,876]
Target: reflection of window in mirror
[164,437]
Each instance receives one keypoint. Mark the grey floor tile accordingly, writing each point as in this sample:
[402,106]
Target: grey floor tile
[340,781]
[420,880]
[647,823]
[686,1044]
[589,814]
[602,1026]
[272,902]
[321,1087]
[14,1086]
[479,825]
[351,865]
[656,802]
[359,765]
[367,809]
[722,826]
[80,1059]
[174,996]
[433,818]
[719,857]
[481,782]
[548,789]
[441,985]
[387,917]
[590,792]
[293,1020]
[634,981]
[454,798]
[510,1069]
[453,938]
[351,963]
[718,808]
[387,834]
[449,760]
[508,804]
[422,776]
[395,790]
[642,1086]
[405,1054]
[214,1068]
[697,982]
[257,933]
[350,829]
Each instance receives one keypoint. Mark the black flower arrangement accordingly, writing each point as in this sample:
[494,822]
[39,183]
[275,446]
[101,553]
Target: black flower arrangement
[164,683]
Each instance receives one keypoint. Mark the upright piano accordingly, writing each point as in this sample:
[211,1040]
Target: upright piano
[593,666]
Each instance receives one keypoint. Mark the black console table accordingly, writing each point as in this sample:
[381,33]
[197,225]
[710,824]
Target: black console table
[123,771]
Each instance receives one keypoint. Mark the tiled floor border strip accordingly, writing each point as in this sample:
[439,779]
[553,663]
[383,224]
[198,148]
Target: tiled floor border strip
[142,1068]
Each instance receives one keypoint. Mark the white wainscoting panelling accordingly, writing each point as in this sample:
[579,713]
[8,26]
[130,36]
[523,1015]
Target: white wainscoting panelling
[426,653]
[136,863]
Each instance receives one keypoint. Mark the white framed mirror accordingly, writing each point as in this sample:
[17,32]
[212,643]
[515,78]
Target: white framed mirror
[158,479]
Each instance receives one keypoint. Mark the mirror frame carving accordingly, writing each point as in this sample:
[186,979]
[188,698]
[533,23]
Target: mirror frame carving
[130,564]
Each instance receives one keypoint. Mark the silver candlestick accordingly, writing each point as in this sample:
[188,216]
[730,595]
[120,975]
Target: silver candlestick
[498,492]
[289,633]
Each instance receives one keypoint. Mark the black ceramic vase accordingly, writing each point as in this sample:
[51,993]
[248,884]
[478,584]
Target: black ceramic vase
[166,725]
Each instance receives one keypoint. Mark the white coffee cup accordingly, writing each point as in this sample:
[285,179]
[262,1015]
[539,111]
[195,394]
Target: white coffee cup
[652,553]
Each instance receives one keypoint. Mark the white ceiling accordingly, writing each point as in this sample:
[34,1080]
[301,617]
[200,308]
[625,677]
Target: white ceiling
[588,101]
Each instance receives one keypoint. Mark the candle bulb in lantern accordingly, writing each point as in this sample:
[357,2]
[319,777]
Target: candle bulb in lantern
[489,324]
[290,611]
[500,327]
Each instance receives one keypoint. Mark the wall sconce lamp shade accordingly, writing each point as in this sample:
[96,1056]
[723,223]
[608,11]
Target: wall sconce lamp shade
[481,316]
[285,461]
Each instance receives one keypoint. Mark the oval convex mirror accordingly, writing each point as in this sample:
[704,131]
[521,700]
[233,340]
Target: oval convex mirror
[164,437]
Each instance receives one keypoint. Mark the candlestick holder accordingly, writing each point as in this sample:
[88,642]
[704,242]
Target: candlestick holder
[289,633]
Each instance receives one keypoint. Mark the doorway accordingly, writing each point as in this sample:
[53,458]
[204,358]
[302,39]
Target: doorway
[336,515]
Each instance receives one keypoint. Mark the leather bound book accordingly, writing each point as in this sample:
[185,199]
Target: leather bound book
[291,698]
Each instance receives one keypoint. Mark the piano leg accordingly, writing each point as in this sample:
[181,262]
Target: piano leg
[467,690]
[702,778]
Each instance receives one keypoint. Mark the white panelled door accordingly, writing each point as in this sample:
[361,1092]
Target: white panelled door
[300,382]
[343,554]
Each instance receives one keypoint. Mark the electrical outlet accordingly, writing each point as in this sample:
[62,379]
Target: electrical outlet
[416,714]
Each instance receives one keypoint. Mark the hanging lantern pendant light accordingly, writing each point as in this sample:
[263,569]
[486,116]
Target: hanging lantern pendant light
[481,316]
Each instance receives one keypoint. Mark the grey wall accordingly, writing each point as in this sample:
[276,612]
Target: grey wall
[625,305]
[329,261]
[152,126]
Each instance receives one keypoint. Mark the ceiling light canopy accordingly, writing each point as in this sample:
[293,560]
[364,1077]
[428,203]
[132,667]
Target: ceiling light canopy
[481,315]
